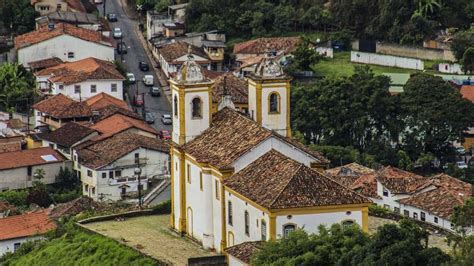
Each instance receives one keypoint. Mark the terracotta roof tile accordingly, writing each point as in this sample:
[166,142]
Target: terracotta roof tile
[110,110]
[5,206]
[50,62]
[402,182]
[348,174]
[449,193]
[67,135]
[101,153]
[261,45]
[81,70]
[25,225]
[74,207]
[275,181]
[23,158]
[231,135]
[43,34]
[171,52]
[9,147]
[467,92]
[236,87]
[103,99]
[118,123]
[245,250]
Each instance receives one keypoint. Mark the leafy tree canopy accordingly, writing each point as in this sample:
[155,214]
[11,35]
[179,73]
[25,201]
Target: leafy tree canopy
[16,87]
[17,16]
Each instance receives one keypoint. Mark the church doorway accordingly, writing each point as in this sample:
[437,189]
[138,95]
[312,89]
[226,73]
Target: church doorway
[189,228]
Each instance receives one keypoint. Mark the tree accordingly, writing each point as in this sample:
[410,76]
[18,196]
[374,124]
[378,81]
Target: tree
[39,195]
[18,16]
[303,57]
[462,40]
[16,87]
[435,114]
[67,179]
[162,5]
[467,60]
[463,215]
[39,173]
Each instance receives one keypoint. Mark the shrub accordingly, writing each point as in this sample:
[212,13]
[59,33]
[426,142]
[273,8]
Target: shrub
[376,210]
[15,197]
[162,208]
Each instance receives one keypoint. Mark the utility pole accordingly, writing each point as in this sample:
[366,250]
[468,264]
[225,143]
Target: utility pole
[121,47]
[105,2]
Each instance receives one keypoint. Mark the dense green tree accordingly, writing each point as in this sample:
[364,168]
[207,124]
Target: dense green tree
[463,216]
[435,114]
[303,57]
[17,16]
[462,40]
[16,87]
[467,61]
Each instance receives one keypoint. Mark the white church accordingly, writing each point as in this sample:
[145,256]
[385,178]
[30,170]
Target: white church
[238,179]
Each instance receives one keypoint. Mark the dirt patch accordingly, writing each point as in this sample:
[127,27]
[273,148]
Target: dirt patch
[152,236]
[435,240]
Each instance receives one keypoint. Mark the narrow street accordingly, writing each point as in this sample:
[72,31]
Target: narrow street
[136,53]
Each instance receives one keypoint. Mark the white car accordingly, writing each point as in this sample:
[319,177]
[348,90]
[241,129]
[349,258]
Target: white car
[117,33]
[461,165]
[131,77]
[148,80]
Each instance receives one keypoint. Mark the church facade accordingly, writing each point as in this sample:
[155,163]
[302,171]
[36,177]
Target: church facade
[238,178]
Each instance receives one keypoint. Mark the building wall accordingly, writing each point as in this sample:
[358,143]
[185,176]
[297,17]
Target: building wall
[18,177]
[60,47]
[101,86]
[325,51]
[275,121]
[233,261]
[195,126]
[8,245]
[175,190]
[413,52]
[386,60]
[450,68]
[45,7]
[311,222]
[429,217]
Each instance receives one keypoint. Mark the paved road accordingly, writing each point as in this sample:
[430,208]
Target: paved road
[136,53]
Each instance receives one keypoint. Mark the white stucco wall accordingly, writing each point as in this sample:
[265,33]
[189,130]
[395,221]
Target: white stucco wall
[175,189]
[8,245]
[429,217]
[275,121]
[386,60]
[233,261]
[60,46]
[18,177]
[101,86]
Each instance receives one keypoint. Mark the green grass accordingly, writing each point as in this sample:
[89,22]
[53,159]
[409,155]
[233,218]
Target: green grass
[341,65]
[80,248]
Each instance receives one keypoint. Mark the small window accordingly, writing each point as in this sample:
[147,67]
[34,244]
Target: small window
[217,190]
[111,174]
[385,192]
[93,191]
[30,170]
[70,55]
[229,213]
[74,158]
[118,173]
[396,210]
[137,158]
[263,230]
[422,216]
[406,213]
[436,220]
[200,181]
[86,188]
[247,225]
[113,87]
[386,206]
[176,164]
[89,173]
[196,108]
[189,173]
[58,6]
[274,103]
[16,246]
[61,87]
[287,229]
[175,104]
[104,175]
[452,226]
[93,88]
[415,215]
[77,89]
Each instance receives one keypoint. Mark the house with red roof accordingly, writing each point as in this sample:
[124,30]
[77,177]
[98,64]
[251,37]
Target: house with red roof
[63,41]
[18,229]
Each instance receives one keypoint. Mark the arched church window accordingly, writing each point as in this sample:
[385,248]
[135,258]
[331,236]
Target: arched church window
[197,108]
[175,103]
[274,103]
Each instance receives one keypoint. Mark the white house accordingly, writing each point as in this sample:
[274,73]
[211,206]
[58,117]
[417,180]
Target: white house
[18,229]
[17,168]
[236,179]
[107,167]
[64,41]
[81,79]
[172,56]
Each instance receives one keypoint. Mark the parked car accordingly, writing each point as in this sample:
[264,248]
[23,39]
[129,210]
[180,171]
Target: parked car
[150,117]
[121,48]
[131,77]
[148,80]
[143,66]
[117,33]
[138,100]
[112,17]
[461,165]
[155,92]
[164,135]
[166,119]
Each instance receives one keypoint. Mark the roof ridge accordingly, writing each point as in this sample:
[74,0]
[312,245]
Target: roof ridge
[289,179]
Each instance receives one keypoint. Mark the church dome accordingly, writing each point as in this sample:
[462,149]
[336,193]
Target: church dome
[190,71]
[269,67]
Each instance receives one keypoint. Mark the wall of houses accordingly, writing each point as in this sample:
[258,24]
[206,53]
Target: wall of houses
[429,217]
[414,52]
[45,7]
[386,60]
[450,68]
[9,244]
[61,46]
[18,177]
[325,51]
[86,92]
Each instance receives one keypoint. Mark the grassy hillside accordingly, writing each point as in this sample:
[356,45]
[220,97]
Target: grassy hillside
[79,248]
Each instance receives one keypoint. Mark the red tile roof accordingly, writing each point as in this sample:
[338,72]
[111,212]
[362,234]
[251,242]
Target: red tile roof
[449,193]
[357,177]
[275,181]
[245,250]
[236,87]
[43,34]
[67,135]
[103,99]
[25,225]
[402,182]
[17,159]
[261,45]
[467,92]
[40,64]
[118,123]
[81,70]
[171,52]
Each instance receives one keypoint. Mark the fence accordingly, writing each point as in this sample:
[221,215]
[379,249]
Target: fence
[386,60]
